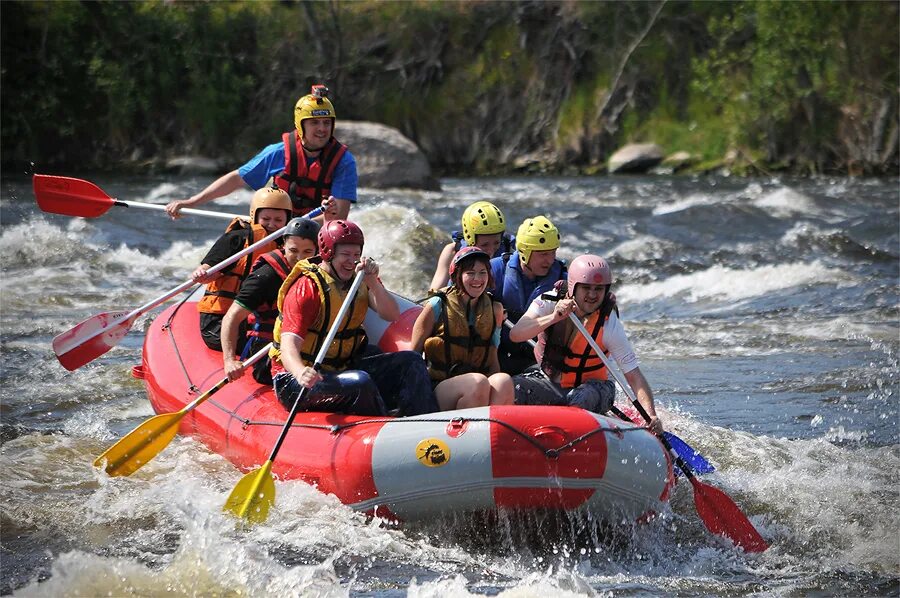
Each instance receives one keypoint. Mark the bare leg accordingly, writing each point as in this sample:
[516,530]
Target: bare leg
[503,391]
[462,392]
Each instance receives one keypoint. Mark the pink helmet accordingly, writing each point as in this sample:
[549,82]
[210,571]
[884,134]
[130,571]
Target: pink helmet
[336,232]
[588,269]
[466,252]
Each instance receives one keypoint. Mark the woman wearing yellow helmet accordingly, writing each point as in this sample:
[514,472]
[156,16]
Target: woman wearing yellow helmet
[483,226]
[308,163]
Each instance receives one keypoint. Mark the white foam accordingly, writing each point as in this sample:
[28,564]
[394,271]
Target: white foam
[644,247]
[727,284]
[163,193]
[683,204]
[785,202]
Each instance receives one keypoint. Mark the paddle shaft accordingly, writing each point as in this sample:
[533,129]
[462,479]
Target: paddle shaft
[132,315]
[320,357]
[616,374]
[628,391]
[224,381]
[138,447]
[151,206]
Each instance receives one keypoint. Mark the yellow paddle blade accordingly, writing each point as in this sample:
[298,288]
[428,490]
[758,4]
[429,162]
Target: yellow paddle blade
[140,445]
[253,495]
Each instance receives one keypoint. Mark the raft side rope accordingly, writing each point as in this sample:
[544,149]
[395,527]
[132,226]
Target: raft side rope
[335,429]
[167,327]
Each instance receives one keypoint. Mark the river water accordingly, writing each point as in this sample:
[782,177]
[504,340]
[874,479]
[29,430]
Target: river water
[765,314]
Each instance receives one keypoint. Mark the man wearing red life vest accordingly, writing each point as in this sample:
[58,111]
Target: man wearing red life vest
[258,295]
[570,371]
[308,163]
[352,378]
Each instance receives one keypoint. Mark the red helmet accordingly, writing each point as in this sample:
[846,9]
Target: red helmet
[336,232]
[467,252]
[588,269]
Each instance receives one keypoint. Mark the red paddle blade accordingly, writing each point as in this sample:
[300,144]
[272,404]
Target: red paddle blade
[70,197]
[92,338]
[724,518]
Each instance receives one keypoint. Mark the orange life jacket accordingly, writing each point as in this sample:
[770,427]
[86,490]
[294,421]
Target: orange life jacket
[262,321]
[309,184]
[220,293]
[562,350]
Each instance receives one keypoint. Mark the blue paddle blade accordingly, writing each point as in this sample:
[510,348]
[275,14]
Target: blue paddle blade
[697,462]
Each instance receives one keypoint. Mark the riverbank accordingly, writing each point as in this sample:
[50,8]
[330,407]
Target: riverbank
[480,87]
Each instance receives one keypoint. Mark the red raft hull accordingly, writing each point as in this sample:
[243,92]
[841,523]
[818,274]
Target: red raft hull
[516,457]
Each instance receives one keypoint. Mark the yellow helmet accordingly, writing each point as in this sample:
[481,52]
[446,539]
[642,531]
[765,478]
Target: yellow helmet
[314,105]
[482,218]
[536,234]
[270,197]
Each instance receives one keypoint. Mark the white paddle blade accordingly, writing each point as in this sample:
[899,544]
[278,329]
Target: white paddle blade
[92,338]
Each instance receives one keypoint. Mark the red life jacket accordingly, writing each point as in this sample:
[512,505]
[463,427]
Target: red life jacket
[261,322]
[309,184]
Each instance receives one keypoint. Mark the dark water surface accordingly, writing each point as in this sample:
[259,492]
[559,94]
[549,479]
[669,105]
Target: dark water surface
[765,313]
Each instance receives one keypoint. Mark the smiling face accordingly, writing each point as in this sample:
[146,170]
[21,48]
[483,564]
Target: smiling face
[473,276]
[488,243]
[316,133]
[589,297]
[343,264]
[271,219]
[298,248]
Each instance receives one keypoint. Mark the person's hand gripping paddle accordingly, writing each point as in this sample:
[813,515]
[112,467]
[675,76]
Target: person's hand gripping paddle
[255,492]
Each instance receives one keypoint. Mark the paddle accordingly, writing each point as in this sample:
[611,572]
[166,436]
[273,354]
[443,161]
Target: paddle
[255,492]
[76,197]
[699,464]
[718,512]
[98,334]
[136,448]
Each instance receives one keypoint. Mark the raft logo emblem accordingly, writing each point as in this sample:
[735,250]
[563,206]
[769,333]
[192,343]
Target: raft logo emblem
[433,452]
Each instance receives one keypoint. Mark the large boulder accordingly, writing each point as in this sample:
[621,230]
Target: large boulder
[385,157]
[635,158]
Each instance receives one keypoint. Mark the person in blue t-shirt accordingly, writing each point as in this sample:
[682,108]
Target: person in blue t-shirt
[309,164]
[531,271]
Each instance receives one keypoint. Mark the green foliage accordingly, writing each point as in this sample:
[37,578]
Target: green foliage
[477,84]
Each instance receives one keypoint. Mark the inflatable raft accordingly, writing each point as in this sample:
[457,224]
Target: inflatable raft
[484,459]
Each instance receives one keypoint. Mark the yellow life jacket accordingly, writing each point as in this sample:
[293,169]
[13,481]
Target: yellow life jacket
[563,350]
[350,339]
[220,293]
[456,346]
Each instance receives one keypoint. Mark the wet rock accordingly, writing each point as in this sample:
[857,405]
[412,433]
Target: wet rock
[385,157]
[635,158]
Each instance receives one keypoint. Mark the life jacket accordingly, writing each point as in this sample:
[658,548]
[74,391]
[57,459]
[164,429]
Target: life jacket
[455,346]
[562,349]
[308,184]
[261,322]
[220,293]
[350,339]
[507,244]
[508,280]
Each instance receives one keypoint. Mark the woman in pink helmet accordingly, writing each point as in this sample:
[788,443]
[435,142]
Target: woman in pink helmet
[570,373]
[459,331]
